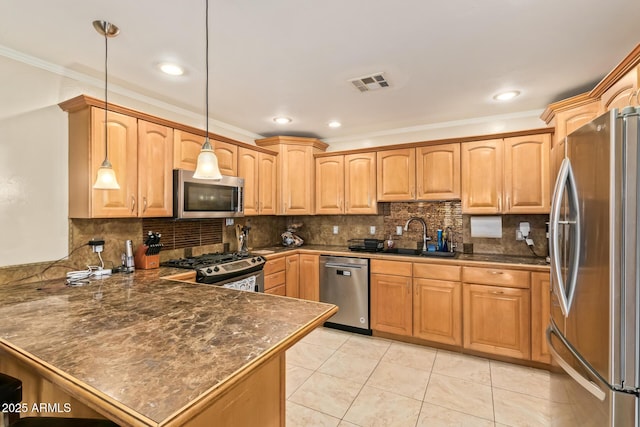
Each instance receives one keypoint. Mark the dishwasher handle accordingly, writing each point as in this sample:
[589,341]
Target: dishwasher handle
[349,266]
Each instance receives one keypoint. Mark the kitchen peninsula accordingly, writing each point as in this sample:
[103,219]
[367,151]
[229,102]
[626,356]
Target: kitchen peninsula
[142,350]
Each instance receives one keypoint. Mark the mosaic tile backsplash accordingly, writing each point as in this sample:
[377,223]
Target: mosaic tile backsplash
[317,230]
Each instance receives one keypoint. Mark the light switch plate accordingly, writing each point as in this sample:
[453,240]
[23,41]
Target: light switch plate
[229,221]
[335,229]
[399,230]
[372,230]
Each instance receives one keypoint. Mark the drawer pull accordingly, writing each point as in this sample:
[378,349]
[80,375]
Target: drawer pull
[496,292]
[497,272]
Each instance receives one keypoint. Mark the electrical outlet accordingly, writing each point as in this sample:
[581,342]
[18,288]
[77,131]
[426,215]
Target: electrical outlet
[519,235]
[399,230]
[335,229]
[228,221]
[372,230]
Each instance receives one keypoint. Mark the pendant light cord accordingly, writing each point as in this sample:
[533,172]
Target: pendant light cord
[206,13]
[106,104]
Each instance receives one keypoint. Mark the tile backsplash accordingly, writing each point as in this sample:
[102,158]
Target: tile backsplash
[316,229]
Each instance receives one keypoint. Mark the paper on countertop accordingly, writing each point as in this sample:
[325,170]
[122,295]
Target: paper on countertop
[486,226]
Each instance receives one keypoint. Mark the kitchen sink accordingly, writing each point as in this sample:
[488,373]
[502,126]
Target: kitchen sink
[407,251]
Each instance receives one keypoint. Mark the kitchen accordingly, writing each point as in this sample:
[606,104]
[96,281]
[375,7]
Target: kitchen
[25,214]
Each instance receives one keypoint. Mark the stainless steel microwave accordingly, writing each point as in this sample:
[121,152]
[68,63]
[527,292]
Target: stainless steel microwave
[201,198]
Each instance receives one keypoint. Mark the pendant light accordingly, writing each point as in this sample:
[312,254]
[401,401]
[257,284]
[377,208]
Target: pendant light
[207,165]
[106,179]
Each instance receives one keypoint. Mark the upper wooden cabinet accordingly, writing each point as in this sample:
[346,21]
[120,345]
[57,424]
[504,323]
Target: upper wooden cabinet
[506,176]
[346,184]
[259,172]
[296,172]
[187,146]
[424,173]
[141,155]
[396,175]
[330,185]
[622,93]
[482,176]
[438,172]
[155,177]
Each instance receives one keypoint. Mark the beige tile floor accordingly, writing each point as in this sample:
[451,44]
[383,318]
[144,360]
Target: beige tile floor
[336,378]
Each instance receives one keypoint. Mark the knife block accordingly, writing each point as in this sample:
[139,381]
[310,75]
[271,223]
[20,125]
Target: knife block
[143,261]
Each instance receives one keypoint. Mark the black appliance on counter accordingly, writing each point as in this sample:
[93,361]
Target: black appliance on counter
[366,245]
[229,270]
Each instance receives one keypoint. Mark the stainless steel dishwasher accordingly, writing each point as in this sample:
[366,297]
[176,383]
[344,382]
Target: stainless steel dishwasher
[344,281]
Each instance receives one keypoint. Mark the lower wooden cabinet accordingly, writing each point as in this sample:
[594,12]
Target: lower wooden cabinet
[391,297]
[540,313]
[437,311]
[496,320]
[292,271]
[309,277]
[275,276]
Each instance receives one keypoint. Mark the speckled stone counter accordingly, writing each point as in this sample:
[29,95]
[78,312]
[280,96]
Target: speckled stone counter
[520,262]
[148,345]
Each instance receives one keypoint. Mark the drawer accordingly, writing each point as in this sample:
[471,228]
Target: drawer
[496,277]
[274,279]
[393,268]
[273,265]
[437,271]
[278,290]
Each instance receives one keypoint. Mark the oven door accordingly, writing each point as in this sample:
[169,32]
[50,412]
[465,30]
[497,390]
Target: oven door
[252,282]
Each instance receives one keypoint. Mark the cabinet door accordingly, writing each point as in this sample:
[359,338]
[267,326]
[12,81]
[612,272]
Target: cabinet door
[227,155]
[526,174]
[309,279]
[330,185]
[391,304]
[297,185]
[438,172]
[481,163]
[292,274]
[569,120]
[396,175]
[437,311]
[268,173]
[155,165]
[360,183]
[496,320]
[248,169]
[540,313]
[186,147]
[621,93]
[123,154]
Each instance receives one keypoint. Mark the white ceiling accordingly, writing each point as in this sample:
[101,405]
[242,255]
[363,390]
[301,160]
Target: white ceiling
[444,59]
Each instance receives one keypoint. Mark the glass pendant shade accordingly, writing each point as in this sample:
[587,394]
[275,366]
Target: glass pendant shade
[106,179]
[207,165]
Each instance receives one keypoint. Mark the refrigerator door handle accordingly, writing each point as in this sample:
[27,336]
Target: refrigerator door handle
[588,385]
[566,181]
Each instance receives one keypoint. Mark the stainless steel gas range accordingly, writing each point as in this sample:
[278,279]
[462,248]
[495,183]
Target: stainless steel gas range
[228,270]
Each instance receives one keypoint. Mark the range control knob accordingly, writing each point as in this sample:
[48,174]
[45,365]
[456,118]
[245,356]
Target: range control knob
[216,269]
[208,270]
[253,260]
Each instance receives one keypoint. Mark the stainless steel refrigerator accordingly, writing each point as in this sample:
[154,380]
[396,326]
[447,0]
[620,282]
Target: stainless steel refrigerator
[593,244]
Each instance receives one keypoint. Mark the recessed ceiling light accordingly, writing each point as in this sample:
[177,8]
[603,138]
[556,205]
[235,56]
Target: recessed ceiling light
[506,96]
[282,120]
[334,124]
[171,69]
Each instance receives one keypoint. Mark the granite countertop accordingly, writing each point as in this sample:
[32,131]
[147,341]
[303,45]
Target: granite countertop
[152,345]
[460,258]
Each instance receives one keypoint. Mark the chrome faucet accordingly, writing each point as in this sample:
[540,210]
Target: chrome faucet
[424,231]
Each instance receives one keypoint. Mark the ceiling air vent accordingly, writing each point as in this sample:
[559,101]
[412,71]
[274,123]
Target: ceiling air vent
[371,82]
